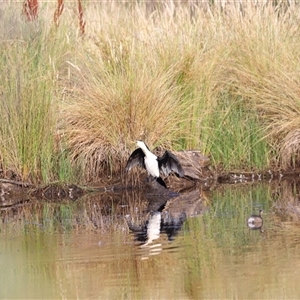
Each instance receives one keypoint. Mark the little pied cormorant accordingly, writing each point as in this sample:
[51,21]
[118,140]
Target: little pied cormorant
[153,164]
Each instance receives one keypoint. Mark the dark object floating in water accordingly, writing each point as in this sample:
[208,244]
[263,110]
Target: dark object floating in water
[144,158]
[255,221]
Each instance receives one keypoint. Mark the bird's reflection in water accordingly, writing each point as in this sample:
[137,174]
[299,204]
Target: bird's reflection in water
[164,220]
[153,230]
[149,234]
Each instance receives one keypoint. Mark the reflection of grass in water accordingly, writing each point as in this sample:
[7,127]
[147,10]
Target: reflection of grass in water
[216,240]
[231,208]
[223,251]
[100,212]
[46,217]
[219,248]
[63,217]
[225,223]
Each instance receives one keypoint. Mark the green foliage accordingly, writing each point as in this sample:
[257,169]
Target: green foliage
[27,124]
[234,136]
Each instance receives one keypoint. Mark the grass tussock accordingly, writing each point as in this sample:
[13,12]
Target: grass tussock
[266,74]
[222,79]
[26,111]
[108,111]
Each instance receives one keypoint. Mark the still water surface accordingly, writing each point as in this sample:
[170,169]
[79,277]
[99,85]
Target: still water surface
[202,248]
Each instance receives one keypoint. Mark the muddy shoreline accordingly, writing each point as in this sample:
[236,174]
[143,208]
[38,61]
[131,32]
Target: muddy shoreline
[197,169]
[11,190]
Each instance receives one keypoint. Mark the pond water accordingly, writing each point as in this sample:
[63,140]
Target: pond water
[125,246]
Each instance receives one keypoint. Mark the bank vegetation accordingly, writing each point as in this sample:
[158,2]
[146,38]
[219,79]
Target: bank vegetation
[223,79]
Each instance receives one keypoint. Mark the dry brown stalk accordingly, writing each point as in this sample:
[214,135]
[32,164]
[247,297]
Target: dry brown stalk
[30,9]
[80,16]
[58,11]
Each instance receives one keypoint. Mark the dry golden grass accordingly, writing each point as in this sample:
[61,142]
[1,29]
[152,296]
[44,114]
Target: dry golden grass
[290,149]
[110,111]
[163,78]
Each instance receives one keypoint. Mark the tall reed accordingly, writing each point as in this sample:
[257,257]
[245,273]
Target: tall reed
[30,58]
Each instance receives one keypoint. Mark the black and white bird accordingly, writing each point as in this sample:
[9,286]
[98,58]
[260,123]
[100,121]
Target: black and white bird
[144,158]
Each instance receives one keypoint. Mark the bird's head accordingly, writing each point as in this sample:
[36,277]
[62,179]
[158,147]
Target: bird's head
[140,144]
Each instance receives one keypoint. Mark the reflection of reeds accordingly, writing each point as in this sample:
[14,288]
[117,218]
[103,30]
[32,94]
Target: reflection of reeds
[287,203]
[96,212]
[215,257]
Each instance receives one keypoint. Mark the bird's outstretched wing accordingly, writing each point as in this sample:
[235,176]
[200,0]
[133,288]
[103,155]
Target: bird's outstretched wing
[169,163]
[136,159]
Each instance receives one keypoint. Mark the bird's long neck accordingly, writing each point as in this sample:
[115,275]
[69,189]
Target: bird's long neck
[146,151]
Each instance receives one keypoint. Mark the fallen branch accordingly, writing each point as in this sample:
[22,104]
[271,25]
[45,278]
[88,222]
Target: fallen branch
[19,183]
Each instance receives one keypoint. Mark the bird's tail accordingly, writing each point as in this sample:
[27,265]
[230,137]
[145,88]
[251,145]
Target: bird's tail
[161,182]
